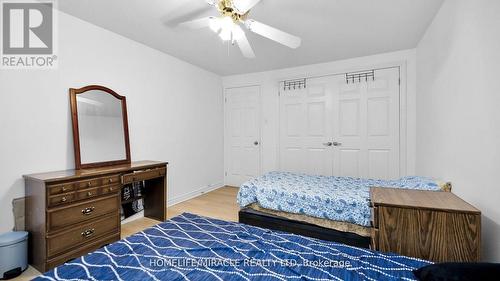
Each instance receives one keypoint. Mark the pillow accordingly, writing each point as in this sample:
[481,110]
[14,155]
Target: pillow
[444,185]
[458,272]
[416,181]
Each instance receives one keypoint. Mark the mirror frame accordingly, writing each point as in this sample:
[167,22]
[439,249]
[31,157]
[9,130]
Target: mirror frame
[76,133]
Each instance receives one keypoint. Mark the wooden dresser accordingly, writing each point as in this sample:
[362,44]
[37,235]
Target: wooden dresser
[436,226]
[71,213]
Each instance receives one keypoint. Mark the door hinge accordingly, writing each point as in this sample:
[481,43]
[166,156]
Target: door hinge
[399,81]
[225,174]
[225,99]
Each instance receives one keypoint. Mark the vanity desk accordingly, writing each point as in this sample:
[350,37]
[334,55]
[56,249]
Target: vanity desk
[71,213]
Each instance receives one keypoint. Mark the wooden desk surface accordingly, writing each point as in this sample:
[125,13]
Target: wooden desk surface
[75,174]
[420,199]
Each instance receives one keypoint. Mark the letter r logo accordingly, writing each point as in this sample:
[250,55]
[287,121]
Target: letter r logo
[27,28]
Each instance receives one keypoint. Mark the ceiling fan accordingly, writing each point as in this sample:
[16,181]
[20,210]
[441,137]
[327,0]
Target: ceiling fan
[233,14]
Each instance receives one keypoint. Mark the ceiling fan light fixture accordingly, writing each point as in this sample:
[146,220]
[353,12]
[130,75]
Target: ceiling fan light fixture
[225,35]
[233,14]
[227,23]
[214,24]
[224,27]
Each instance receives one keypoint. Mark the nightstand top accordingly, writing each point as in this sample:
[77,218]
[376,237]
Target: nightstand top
[420,199]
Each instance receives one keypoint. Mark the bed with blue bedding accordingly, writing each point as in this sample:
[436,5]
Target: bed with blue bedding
[191,247]
[339,199]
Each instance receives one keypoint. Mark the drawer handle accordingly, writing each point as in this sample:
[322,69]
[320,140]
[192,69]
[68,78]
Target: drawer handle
[87,233]
[111,188]
[87,211]
[89,193]
[63,188]
[110,180]
[64,199]
[89,184]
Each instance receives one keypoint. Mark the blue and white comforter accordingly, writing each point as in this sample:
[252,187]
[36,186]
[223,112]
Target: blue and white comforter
[191,247]
[336,198]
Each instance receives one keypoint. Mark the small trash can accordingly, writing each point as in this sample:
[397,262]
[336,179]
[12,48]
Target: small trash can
[13,253]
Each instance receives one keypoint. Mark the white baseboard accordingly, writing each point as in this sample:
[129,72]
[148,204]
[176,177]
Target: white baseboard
[193,194]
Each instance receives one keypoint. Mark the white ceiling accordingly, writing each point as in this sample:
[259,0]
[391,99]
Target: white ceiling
[330,29]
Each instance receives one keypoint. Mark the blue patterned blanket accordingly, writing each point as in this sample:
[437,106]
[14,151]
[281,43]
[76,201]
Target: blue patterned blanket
[190,247]
[335,198]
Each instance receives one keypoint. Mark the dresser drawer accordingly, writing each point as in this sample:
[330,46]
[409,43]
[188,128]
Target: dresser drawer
[60,188]
[88,183]
[110,180]
[82,234]
[88,193]
[143,175]
[61,199]
[109,189]
[63,217]
[78,252]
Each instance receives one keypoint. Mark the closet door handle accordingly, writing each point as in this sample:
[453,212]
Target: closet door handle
[328,143]
[336,143]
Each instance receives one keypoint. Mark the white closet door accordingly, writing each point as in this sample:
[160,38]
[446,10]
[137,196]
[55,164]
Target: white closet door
[366,126]
[242,134]
[306,128]
[335,128]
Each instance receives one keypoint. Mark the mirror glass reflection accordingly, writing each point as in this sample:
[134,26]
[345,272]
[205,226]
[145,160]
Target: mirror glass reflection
[100,126]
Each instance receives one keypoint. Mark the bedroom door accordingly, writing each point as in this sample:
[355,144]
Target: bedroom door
[242,134]
[345,129]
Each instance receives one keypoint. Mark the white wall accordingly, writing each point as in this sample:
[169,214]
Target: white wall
[269,83]
[175,111]
[458,107]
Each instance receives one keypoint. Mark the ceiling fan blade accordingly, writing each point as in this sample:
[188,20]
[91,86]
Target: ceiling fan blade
[243,6]
[212,2]
[175,18]
[197,24]
[242,41]
[273,34]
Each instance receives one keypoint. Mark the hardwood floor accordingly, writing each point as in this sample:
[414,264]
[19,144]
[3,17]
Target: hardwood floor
[219,204]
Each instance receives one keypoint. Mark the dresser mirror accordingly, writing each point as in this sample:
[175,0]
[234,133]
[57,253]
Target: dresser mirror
[100,127]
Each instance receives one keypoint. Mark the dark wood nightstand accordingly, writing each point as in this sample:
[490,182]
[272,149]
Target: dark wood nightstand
[431,225]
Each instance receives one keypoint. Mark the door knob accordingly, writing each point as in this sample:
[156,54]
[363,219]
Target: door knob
[255,143]
[328,143]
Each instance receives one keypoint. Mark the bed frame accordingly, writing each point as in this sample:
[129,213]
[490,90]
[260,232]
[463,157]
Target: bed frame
[260,219]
